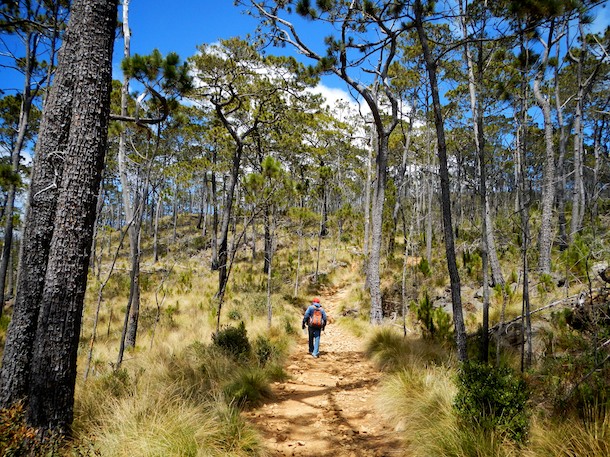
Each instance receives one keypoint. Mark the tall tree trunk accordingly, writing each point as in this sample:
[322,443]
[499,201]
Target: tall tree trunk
[298,267]
[597,151]
[40,214]
[133,305]
[578,193]
[214,241]
[156,227]
[268,238]
[545,240]
[24,118]
[578,196]
[367,199]
[429,188]
[57,334]
[377,227]
[131,203]
[401,181]
[479,140]
[561,172]
[526,324]
[223,246]
[458,317]
[175,214]
[494,262]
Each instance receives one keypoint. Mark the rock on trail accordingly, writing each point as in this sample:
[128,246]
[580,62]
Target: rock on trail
[327,407]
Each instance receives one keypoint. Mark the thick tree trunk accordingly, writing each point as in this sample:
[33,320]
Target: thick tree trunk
[458,317]
[38,230]
[53,373]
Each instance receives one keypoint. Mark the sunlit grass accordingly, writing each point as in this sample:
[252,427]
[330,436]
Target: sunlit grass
[156,424]
[570,437]
[391,351]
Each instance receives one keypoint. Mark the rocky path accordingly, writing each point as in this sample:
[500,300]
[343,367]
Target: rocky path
[327,407]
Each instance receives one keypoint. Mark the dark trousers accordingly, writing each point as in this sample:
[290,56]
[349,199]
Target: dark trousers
[314,340]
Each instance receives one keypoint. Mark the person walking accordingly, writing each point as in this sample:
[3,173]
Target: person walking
[315,319]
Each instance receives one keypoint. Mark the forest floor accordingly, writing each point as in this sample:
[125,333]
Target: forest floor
[328,405]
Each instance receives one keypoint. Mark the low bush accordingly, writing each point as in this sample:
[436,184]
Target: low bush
[493,399]
[263,350]
[233,340]
[17,438]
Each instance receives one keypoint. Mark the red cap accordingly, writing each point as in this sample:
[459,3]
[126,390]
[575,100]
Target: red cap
[316,300]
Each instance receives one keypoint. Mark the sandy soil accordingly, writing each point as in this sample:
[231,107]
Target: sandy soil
[327,408]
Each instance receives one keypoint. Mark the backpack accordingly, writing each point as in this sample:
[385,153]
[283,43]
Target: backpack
[316,320]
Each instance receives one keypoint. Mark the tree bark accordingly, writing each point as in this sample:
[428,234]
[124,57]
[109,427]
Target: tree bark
[53,372]
[133,212]
[458,317]
[377,227]
[545,241]
[42,200]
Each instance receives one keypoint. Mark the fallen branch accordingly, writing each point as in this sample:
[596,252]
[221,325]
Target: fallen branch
[577,299]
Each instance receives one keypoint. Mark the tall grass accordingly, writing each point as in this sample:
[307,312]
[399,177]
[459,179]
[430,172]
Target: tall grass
[161,425]
[182,404]
[570,438]
[391,351]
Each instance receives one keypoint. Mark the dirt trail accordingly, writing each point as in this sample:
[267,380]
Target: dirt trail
[327,408]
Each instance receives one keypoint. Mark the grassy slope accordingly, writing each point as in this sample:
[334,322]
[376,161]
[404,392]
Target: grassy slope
[174,390]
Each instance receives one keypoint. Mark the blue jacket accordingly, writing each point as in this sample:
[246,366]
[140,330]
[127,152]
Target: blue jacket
[309,313]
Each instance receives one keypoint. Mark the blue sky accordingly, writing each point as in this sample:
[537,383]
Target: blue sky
[189,23]
[184,25]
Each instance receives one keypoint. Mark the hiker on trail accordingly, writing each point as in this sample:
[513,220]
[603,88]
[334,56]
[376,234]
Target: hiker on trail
[315,318]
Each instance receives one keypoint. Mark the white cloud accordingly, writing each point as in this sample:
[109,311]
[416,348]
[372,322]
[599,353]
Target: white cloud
[335,96]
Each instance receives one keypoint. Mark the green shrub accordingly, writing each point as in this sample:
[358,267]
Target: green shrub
[443,323]
[233,340]
[424,267]
[288,327]
[263,349]
[472,262]
[546,284]
[492,399]
[234,315]
[117,383]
